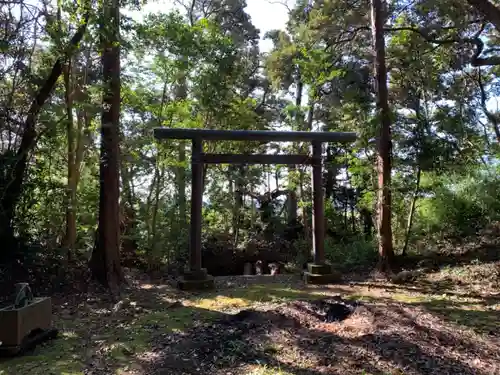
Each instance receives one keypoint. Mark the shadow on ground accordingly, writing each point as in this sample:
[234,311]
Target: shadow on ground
[378,339]
[157,330]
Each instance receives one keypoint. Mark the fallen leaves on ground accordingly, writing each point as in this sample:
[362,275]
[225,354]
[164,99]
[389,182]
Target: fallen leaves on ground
[395,329]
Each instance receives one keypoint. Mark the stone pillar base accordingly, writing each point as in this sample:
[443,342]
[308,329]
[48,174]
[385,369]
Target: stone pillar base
[321,274]
[196,280]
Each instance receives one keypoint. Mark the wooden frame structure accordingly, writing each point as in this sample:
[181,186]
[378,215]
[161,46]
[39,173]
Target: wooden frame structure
[318,272]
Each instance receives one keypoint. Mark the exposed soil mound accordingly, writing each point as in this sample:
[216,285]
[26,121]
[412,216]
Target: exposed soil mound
[327,336]
[301,313]
[326,310]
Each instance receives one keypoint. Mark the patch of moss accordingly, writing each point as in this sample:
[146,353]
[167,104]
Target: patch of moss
[62,356]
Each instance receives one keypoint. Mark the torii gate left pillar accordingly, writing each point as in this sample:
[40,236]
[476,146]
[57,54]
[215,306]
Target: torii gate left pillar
[319,272]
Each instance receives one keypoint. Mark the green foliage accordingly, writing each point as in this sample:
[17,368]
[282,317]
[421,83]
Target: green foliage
[201,67]
[352,253]
[461,205]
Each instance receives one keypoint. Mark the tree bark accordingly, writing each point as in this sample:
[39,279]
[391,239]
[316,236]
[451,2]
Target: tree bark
[70,236]
[105,261]
[386,251]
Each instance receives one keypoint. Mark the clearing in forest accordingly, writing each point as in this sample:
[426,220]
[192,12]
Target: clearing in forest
[276,325]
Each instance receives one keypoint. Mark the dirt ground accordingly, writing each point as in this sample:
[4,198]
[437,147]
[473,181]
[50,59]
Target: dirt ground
[446,322]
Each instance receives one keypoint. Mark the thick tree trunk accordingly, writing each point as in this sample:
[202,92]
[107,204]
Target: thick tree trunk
[386,251]
[105,260]
[17,169]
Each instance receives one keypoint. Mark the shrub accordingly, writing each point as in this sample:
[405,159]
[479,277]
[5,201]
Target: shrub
[351,253]
[461,206]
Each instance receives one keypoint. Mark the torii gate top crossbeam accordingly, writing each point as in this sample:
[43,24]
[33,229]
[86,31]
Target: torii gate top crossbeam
[197,276]
[253,135]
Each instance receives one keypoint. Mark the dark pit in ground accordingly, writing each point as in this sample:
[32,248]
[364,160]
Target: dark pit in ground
[327,310]
[324,310]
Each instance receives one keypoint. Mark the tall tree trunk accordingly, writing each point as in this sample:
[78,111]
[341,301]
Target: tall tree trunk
[331,172]
[70,236]
[292,185]
[17,168]
[227,224]
[77,140]
[105,260]
[305,215]
[154,260]
[238,201]
[412,211]
[181,93]
[386,251]
[129,221]
[149,201]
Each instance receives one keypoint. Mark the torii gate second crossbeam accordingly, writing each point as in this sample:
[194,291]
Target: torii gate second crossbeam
[318,272]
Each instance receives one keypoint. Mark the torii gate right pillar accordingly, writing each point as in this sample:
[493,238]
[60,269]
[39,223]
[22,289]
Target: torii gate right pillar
[319,272]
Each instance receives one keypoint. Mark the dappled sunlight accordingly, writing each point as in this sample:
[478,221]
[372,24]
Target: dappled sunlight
[220,302]
[266,370]
[155,327]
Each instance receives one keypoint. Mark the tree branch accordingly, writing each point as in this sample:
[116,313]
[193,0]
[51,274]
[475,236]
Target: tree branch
[488,10]
[476,61]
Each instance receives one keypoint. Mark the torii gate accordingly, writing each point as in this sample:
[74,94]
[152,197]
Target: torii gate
[318,272]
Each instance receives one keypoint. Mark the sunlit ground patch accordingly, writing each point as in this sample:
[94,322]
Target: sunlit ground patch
[267,370]
[122,342]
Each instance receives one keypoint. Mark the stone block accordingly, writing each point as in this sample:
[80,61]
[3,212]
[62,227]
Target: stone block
[322,279]
[200,274]
[17,323]
[319,269]
[193,285]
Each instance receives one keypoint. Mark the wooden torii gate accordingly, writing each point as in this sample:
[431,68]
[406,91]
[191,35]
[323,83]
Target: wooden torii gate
[318,272]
